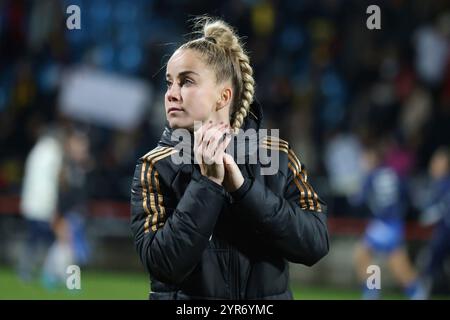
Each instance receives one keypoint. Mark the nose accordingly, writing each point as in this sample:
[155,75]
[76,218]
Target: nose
[173,93]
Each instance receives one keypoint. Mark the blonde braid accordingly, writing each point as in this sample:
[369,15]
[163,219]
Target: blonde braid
[248,89]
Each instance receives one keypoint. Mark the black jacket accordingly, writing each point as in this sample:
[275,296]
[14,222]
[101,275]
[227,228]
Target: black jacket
[199,242]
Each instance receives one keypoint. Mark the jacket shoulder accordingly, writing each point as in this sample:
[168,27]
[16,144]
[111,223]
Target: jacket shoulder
[159,152]
[288,159]
[274,143]
[159,159]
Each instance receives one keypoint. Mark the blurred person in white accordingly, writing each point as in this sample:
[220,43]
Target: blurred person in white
[70,246]
[385,194]
[38,203]
[415,113]
[432,45]
[345,173]
[437,212]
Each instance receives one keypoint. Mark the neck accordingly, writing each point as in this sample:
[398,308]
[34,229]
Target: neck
[219,119]
[221,115]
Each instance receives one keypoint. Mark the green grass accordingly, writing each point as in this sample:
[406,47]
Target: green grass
[101,285]
[94,285]
[322,293]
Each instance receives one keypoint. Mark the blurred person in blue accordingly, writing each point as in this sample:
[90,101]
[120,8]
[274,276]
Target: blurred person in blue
[70,246]
[437,212]
[385,194]
[39,199]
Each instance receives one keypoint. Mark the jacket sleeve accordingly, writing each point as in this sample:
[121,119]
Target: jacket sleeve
[295,221]
[170,241]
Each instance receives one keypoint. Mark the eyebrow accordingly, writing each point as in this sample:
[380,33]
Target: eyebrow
[184,73]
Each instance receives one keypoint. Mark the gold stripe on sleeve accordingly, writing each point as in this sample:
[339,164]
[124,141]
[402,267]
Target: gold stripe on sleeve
[274,146]
[153,212]
[303,176]
[303,204]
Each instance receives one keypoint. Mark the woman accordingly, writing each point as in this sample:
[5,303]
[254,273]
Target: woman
[220,229]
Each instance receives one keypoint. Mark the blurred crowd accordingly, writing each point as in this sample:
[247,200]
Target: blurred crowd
[333,87]
[330,84]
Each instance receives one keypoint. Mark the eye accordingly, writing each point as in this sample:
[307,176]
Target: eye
[187,81]
[168,83]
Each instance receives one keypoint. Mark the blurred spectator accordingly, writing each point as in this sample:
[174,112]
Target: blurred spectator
[39,199]
[432,50]
[384,192]
[309,59]
[399,157]
[342,154]
[70,246]
[437,213]
[416,112]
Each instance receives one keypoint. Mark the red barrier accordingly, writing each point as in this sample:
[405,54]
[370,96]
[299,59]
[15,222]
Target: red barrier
[338,226]
[355,227]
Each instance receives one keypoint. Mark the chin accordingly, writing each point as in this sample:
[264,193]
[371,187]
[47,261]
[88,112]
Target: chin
[176,124]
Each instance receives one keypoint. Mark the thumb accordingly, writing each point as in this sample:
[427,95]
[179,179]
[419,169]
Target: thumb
[228,159]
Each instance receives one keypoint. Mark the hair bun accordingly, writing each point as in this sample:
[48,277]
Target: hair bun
[211,39]
[222,33]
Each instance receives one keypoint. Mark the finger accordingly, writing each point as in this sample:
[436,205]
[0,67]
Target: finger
[199,134]
[210,150]
[210,140]
[198,125]
[198,156]
[219,154]
[221,149]
[208,157]
[218,157]
[210,153]
[225,141]
[207,139]
[210,131]
[216,138]
[228,159]
[198,139]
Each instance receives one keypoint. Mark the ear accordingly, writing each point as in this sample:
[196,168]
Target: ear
[225,98]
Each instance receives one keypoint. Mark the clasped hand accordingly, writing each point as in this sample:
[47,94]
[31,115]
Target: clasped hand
[210,143]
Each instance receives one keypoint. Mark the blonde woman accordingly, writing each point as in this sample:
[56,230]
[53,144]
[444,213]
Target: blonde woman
[217,228]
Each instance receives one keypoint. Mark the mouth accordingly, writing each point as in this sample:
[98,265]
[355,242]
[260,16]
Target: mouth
[173,109]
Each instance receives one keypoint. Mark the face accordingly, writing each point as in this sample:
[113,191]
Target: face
[438,166]
[369,160]
[192,92]
[78,148]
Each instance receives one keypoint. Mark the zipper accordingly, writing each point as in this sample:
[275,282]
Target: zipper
[232,282]
[234,276]
[236,259]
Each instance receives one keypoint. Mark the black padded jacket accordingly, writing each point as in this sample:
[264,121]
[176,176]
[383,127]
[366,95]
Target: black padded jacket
[198,241]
